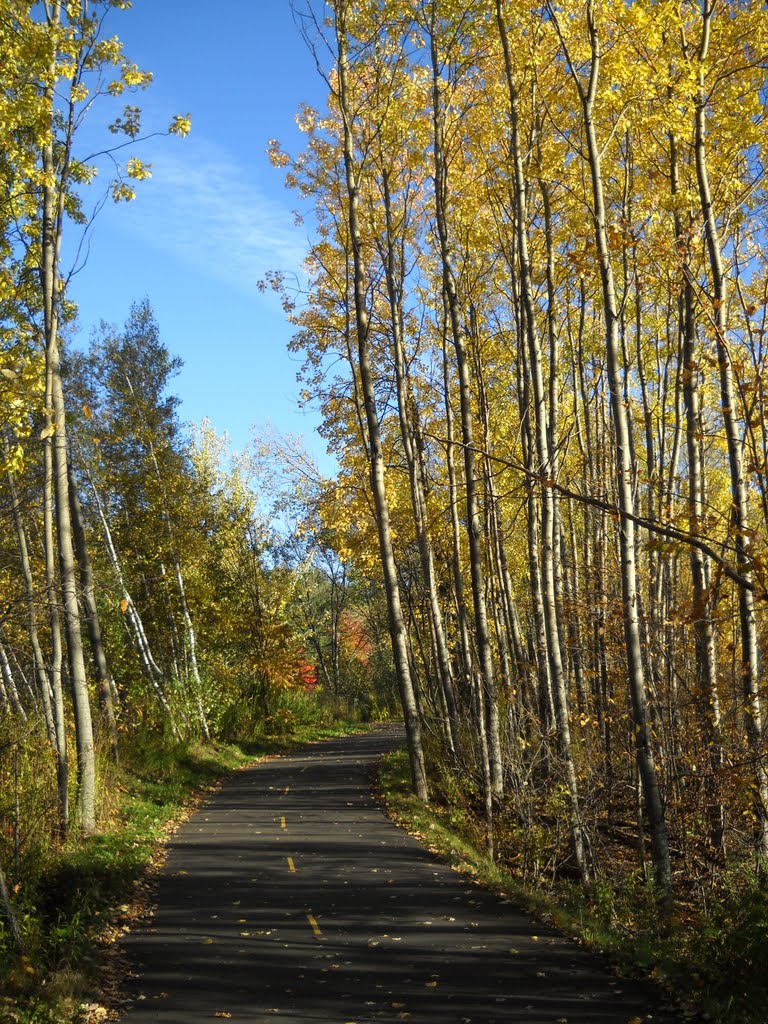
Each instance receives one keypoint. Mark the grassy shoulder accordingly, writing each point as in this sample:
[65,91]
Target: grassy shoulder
[75,901]
[712,958]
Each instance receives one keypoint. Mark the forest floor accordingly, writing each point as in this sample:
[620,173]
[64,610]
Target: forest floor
[289,895]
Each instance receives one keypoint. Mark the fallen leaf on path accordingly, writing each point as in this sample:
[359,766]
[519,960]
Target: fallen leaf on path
[95,1012]
[222,1013]
[208,941]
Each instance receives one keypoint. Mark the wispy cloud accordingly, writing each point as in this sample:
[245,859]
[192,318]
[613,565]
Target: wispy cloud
[203,209]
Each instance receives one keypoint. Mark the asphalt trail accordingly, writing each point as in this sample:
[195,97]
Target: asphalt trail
[290,897]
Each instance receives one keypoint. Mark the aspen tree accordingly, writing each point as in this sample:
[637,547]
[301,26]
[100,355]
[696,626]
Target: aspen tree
[588,91]
[42,676]
[64,52]
[88,590]
[703,599]
[409,430]
[543,430]
[750,677]
[56,438]
[375,453]
[487,702]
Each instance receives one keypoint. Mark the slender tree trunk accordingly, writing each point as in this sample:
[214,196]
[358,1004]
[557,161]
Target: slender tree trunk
[547,717]
[31,692]
[407,412]
[624,468]
[750,676]
[54,618]
[474,524]
[11,690]
[136,631]
[86,759]
[397,625]
[41,673]
[93,624]
[189,631]
[545,471]
[453,501]
[703,601]
[54,186]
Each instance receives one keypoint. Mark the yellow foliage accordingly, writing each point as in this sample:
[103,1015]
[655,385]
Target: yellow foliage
[181,125]
[137,169]
[122,192]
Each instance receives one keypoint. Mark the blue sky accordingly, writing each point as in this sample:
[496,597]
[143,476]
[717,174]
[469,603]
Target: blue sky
[215,216]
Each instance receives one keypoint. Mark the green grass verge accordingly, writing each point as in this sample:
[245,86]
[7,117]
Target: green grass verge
[713,958]
[76,900]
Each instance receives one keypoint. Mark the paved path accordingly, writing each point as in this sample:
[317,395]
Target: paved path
[290,897]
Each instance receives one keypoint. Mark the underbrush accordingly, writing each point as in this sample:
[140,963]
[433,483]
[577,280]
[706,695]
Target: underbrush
[710,953]
[290,712]
[71,899]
